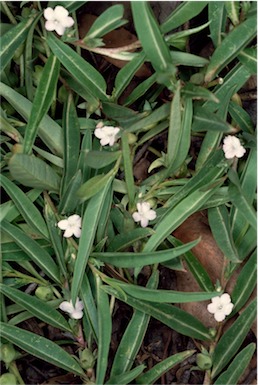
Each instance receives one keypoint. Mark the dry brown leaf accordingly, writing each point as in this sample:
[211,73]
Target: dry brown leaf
[211,257]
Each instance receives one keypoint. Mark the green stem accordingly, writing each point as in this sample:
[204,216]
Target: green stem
[14,370]
[8,13]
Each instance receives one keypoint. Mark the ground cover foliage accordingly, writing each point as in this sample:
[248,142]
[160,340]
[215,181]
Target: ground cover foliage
[158,219]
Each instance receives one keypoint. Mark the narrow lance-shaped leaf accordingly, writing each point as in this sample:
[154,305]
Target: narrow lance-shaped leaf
[12,39]
[42,101]
[105,328]
[183,13]
[38,255]
[33,172]
[233,43]
[107,21]
[36,307]
[49,131]
[169,315]
[174,131]
[221,230]
[40,347]
[232,339]
[133,336]
[27,209]
[131,259]
[71,141]
[152,375]
[248,57]
[89,227]
[89,77]
[237,366]
[217,17]
[150,36]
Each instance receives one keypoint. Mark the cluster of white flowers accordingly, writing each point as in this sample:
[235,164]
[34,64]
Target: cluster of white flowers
[232,147]
[72,226]
[76,311]
[106,134]
[57,19]
[144,214]
[220,306]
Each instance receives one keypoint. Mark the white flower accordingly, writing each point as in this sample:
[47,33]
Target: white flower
[232,147]
[144,214]
[57,19]
[75,312]
[106,134]
[71,225]
[220,306]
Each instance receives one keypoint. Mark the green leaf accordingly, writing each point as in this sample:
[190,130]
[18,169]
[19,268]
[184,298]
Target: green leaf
[43,98]
[124,240]
[196,92]
[217,17]
[71,6]
[49,131]
[176,216]
[90,310]
[89,226]
[100,159]
[237,367]
[105,328]
[35,306]
[245,284]
[240,201]
[109,20]
[133,259]
[150,36]
[232,339]
[33,172]
[174,131]
[196,268]
[161,296]
[126,74]
[183,13]
[55,237]
[221,230]
[33,250]
[126,377]
[241,117]
[232,8]
[93,186]
[71,142]
[204,120]
[230,47]
[169,315]
[152,375]
[133,336]
[248,57]
[128,168]
[140,90]
[69,201]
[13,39]
[40,347]
[25,206]
[89,77]
[153,118]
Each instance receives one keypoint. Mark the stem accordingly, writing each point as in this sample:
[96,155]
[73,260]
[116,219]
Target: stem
[14,370]
[8,13]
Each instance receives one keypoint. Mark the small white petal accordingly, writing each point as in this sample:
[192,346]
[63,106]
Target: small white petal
[50,25]
[49,14]
[77,232]
[151,215]
[63,224]
[68,22]
[77,314]
[136,217]
[60,29]
[66,306]
[79,304]
[225,298]
[60,12]
[219,316]
[68,232]
[144,222]
[228,308]
[212,308]
[104,141]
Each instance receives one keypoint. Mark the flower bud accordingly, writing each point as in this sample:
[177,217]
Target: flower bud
[8,353]
[44,293]
[132,138]
[87,359]
[204,361]
[8,379]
